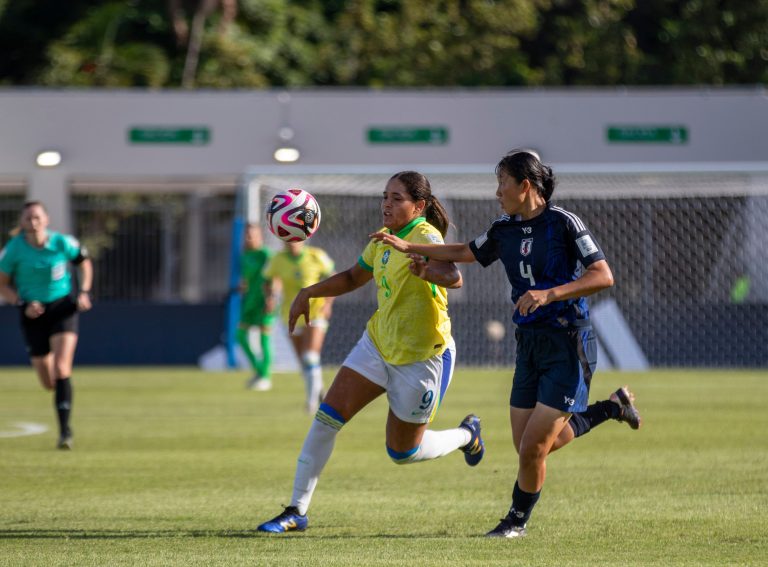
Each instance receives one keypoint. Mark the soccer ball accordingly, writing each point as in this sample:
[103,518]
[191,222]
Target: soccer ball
[293,215]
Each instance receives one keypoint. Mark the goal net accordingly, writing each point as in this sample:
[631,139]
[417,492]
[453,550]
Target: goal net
[687,250]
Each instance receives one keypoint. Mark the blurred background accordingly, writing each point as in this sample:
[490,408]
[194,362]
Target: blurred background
[146,125]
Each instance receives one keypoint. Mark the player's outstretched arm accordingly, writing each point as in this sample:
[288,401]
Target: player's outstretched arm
[444,274]
[444,252]
[333,286]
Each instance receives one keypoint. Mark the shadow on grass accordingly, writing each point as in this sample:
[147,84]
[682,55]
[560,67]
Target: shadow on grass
[178,534]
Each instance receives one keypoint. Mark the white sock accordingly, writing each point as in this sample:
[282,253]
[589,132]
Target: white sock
[313,379]
[436,444]
[316,451]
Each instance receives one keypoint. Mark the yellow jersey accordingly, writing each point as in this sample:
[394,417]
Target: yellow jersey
[411,322]
[296,272]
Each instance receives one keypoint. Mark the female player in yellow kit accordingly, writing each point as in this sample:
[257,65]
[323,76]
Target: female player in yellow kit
[293,268]
[406,350]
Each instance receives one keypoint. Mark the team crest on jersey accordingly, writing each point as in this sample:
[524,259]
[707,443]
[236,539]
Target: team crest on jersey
[525,246]
[385,257]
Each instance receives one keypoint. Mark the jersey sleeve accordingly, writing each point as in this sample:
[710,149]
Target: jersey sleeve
[7,261]
[69,246]
[326,263]
[366,259]
[427,234]
[585,245]
[269,268]
[484,248]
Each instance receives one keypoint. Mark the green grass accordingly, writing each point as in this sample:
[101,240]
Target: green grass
[177,467]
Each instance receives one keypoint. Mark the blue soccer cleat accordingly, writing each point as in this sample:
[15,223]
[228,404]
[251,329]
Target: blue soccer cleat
[289,521]
[475,449]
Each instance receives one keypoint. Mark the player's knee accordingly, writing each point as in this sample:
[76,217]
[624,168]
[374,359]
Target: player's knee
[329,416]
[531,454]
[310,359]
[403,457]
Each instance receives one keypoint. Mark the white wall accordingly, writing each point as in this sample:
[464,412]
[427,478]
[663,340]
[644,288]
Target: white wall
[91,127]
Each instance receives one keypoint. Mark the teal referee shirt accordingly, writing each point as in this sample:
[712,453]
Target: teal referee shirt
[40,274]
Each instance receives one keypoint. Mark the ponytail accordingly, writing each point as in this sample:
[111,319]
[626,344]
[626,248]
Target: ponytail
[436,215]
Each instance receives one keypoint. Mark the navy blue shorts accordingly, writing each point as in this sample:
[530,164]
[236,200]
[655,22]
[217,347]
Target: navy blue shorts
[554,367]
[60,316]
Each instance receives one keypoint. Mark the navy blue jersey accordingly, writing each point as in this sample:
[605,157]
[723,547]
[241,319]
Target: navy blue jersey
[546,251]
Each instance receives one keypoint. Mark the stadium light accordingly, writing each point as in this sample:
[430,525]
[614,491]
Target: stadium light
[48,158]
[287,154]
[286,151]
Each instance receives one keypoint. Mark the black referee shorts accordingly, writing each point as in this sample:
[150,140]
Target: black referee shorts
[61,316]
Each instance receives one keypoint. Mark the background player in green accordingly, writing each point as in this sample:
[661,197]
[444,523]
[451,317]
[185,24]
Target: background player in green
[34,274]
[254,310]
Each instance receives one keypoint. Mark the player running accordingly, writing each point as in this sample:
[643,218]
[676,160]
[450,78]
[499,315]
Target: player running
[553,262]
[35,276]
[406,350]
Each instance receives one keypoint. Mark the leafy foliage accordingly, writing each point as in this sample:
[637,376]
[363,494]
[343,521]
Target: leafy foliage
[382,43]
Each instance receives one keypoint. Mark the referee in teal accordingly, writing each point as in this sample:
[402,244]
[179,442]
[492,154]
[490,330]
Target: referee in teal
[35,276]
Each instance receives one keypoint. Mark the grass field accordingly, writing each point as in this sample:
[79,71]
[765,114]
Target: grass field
[177,467]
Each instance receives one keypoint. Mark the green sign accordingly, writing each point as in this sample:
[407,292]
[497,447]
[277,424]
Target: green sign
[647,134]
[434,135]
[190,136]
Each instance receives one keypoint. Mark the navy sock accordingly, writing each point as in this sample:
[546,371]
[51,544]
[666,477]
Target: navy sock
[522,505]
[64,404]
[594,415]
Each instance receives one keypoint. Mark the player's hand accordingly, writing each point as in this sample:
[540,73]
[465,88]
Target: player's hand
[531,300]
[392,240]
[299,307]
[418,266]
[84,301]
[33,310]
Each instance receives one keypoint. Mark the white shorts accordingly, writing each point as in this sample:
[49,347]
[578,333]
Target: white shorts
[414,390]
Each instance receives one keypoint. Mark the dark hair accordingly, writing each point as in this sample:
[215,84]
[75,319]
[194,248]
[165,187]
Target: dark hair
[17,229]
[29,204]
[418,188]
[524,164]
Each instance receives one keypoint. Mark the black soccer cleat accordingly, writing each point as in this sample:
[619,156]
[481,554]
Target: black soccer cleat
[628,412]
[508,527]
[66,442]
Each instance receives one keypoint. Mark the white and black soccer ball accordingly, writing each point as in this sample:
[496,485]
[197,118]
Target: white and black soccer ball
[293,215]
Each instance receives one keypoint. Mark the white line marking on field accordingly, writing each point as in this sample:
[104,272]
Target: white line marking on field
[25,428]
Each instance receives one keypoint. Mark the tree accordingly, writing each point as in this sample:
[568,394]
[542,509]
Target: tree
[382,43]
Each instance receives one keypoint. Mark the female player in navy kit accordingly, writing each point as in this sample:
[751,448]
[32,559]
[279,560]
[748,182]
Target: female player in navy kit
[553,262]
